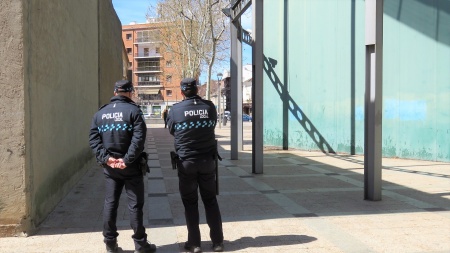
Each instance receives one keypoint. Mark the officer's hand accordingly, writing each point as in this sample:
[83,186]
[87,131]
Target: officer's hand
[120,164]
[111,162]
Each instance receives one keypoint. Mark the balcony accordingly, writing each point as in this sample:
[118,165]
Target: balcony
[147,55]
[147,39]
[149,84]
[155,69]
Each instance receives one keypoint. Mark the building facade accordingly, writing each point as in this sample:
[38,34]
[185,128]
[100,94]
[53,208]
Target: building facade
[151,69]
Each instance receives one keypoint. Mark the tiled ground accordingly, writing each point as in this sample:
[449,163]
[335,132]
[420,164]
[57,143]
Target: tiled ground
[304,202]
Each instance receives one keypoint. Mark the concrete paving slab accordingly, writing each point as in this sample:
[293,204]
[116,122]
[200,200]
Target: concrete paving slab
[304,202]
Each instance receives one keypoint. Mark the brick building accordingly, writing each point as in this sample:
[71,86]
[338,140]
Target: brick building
[151,69]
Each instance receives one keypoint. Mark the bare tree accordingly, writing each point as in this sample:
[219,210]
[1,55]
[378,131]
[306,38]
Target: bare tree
[196,33]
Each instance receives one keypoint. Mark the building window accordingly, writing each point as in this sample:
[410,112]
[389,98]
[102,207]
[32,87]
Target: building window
[148,36]
[169,64]
[128,36]
[169,78]
[130,64]
[148,79]
[169,93]
[148,66]
[128,50]
[157,50]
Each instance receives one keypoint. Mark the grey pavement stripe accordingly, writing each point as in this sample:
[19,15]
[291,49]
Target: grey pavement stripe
[258,185]
[246,218]
[152,150]
[287,204]
[291,176]
[294,161]
[160,222]
[350,181]
[157,195]
[305,215]
[395,187]
[340,238]
[159,208]
[226,163]
[408,200]
[238,171]
[347,189]
[156,173]
[155,178]
[269,191]
[156,186]
[229,193]
[153,156]
[355,213]
[436,209]
[154,164]
[317,169]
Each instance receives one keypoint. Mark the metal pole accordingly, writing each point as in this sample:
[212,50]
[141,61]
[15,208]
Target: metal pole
[236,90]
[373,100]
[257,87]
[218,102]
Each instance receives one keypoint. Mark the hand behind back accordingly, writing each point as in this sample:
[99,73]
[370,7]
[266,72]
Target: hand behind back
[116,163]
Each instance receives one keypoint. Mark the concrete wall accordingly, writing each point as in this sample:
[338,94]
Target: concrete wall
[315,62]
[66,60]
[12,124]
[110,32]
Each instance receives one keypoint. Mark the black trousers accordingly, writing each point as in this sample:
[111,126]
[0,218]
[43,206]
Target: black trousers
[134,187]
[194,174]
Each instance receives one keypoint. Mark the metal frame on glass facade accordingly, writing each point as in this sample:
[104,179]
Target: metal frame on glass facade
[373,89]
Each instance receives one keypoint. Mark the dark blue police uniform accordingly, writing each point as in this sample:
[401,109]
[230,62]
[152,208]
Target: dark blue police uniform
[192,123]
[118,130]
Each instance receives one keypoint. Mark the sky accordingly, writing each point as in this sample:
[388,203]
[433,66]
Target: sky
[136,10]
[132,10]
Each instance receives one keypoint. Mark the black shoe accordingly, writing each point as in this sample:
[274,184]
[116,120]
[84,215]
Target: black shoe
[192,248]
[218,247]
[147,248]
[112,248]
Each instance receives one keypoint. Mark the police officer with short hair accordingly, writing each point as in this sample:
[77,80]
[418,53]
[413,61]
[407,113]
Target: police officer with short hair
[117,138]
[192,123]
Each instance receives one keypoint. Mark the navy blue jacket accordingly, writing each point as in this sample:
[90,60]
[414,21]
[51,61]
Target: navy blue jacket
[118,130]
[192,123]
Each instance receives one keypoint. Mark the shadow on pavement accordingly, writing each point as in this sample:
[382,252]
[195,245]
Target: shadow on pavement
[266,241]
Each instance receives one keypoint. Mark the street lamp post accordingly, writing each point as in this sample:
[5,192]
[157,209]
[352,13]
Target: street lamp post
[219,78]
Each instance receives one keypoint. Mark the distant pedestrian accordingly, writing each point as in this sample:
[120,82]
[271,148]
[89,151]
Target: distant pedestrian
[165,117]
[117,137]
[192,123]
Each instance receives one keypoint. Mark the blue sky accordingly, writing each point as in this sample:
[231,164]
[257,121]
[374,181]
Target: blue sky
[136,11]
[132,10]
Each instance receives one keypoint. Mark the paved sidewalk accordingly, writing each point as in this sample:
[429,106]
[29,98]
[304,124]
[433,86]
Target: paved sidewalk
[304,202]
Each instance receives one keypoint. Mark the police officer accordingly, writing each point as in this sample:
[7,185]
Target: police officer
[192,123]
[117,138]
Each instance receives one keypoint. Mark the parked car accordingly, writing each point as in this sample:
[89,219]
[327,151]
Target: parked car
[246,117]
